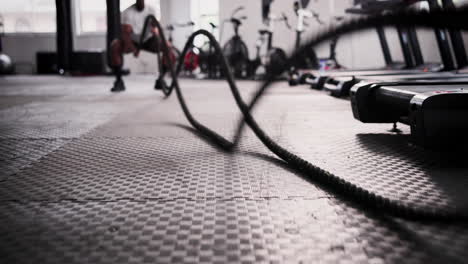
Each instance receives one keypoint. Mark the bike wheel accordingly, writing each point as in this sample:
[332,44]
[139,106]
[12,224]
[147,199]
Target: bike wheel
[276,59]
[237,55]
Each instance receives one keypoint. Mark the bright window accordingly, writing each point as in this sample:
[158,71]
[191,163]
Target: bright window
[93,15]
[203,13]
[28,16]
[459,3]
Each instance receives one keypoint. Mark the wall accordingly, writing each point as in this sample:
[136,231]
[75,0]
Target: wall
[22,49]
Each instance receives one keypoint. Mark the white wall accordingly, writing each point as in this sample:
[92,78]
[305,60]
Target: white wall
[22,49]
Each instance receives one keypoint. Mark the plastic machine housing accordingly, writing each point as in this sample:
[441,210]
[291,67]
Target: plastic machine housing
[436,114]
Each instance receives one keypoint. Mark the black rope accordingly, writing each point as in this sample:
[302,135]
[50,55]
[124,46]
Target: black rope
[439,19]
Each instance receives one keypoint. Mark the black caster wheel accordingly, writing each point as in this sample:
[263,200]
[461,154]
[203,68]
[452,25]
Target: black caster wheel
[304,77]
[293,82]
[294,79]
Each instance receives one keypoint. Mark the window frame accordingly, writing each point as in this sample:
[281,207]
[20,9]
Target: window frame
[76,21]
[30,34]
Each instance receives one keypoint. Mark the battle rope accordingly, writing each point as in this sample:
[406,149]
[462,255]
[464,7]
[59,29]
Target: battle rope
[440,19]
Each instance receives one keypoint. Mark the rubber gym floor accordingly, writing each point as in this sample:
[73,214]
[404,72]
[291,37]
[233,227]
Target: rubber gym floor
[87,176]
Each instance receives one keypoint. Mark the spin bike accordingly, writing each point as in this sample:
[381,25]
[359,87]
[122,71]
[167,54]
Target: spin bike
[235,50]
[309,60]
[170,29]
[203,57]
[274,56]
[191,59]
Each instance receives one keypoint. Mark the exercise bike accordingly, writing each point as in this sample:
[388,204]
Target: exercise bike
[170,29]
[235,50]
[192,58]
[205,58]
[309,60]
[274,56]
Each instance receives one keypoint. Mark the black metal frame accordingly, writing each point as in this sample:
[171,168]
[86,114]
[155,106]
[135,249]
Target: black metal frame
[384,44]
[415,47]
[405,44]
[442,41]
[64,36]
[456,38]
[113,25]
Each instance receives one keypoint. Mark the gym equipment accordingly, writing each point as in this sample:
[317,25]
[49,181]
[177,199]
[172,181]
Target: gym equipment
[456,38]
[64,36]
[386,50]
[83,63]
[297,73]
[408,41]
[331,62]
[208,60]
[309,60]
[235,49]
[410,48]
[266,4]
[435,111]
[274,56]
[6,64]
[451,19]
[191,63]
[88,62]
[46,62]
[442,40]
[341,85]
[114,33]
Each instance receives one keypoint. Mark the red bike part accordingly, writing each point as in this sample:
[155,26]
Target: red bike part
[191,61]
